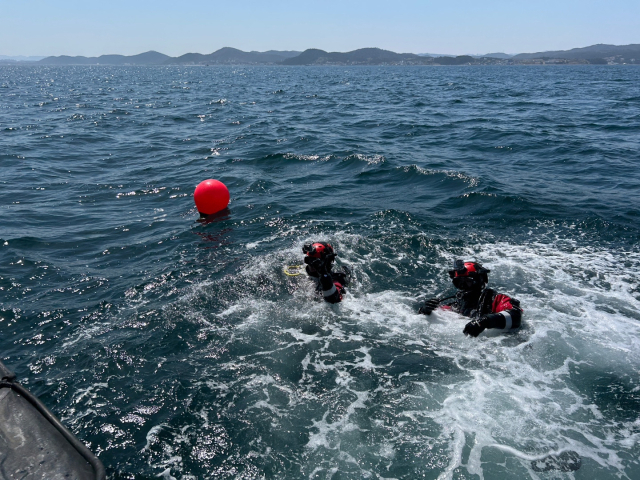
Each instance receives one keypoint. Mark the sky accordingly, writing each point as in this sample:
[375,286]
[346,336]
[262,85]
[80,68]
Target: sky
[93,28]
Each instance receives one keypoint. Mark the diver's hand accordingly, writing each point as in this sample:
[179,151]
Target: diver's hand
[475,327]
[314,263]
[429,306]
[317,265]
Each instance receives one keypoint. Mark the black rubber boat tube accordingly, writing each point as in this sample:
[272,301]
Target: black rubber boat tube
[96,464]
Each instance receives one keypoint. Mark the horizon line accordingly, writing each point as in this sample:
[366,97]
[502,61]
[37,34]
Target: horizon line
[312,48]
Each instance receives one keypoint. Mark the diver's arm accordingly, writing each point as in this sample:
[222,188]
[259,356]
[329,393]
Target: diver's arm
[314,265]
[329,291]
[429,306]
[433,303]
[506,314]
[505,319]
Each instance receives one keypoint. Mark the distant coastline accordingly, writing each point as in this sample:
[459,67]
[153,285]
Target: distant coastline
[593,55]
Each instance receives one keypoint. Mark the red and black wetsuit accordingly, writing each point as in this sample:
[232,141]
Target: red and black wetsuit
[330,284]
[488,308]
[319,259]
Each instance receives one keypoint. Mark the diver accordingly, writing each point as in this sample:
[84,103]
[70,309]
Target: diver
[486,307]
[319,258]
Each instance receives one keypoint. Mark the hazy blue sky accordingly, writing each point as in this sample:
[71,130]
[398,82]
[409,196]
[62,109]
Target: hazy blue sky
[88,27]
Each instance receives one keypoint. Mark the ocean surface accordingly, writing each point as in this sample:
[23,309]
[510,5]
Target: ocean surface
[179,349]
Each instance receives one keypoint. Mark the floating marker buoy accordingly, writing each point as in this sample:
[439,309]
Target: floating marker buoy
[211,196]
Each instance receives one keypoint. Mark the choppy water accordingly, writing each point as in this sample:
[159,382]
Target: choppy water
[180,349]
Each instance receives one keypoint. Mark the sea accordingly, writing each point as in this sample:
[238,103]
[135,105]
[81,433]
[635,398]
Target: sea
[176,347]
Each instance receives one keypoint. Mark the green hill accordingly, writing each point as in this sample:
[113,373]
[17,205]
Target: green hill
[147,58]
[363,56]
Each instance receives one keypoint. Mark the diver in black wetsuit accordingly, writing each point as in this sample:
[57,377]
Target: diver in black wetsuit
[319,259]
[486,307]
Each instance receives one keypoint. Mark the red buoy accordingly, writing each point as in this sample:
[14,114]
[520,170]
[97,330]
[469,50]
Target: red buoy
[211,196]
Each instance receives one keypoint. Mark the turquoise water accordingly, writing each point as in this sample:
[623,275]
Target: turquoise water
[179,349]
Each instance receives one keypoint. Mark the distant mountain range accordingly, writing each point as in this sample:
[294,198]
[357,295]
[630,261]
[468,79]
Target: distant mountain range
[19,58]
[595,54]
[363,56]
[495,55]
[587,53]
[147,58]
[486,55]
[224,56]
[232,56]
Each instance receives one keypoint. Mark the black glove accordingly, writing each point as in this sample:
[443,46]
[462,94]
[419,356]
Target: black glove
[318,265]
[315,263]
[475,327]
[429,306]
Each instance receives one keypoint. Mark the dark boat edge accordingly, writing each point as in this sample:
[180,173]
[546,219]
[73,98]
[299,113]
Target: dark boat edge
[8,380]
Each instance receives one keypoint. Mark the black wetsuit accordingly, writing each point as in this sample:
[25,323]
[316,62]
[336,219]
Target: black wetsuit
[488,309]
[330,284]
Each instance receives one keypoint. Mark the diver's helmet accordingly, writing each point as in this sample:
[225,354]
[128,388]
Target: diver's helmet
[320,250]
[468,275]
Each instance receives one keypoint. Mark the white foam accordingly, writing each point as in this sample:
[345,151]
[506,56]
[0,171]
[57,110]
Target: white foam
[152,436]
[509,399]
[514,393]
